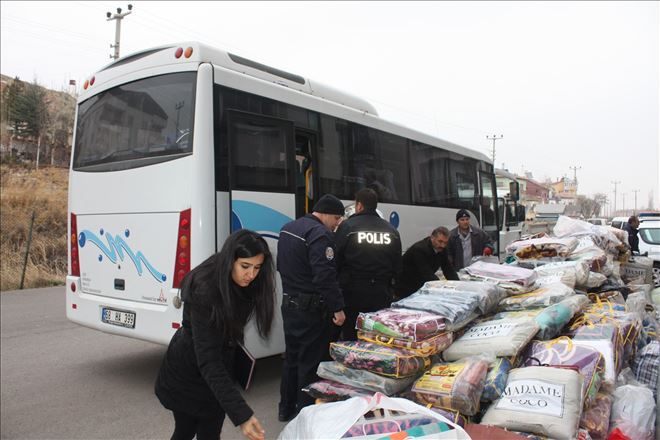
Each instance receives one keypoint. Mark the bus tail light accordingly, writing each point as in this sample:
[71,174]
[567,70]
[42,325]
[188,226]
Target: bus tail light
[178,53]
[73,244]
[182,258]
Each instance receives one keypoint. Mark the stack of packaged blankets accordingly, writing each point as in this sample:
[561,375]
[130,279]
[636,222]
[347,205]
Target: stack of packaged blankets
[562,343]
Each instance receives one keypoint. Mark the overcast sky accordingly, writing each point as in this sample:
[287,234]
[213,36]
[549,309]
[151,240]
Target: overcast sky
[568,84]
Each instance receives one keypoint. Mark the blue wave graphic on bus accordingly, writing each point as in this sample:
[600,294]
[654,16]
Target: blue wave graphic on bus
[116,247]
[257,217]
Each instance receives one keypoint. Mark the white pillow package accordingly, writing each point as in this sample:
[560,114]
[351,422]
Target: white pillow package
[541,400]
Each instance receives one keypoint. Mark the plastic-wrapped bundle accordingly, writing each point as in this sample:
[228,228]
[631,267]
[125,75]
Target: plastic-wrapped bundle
[500,337]
[541,297]
[495,382]
[388,361]
[332,391]
[605,338]
[633,412]
[454,308]
[596,418]
[629,324]
[541,400]
[502,274]
[545,248]
[594,280]
[456,386]
[402,324]
[389,424]
[425,347]
[563,352]
[646,365]
[571,273]
[364,379]
[487,293]
[594,256]
[453,416]
[607,238]
[553,319]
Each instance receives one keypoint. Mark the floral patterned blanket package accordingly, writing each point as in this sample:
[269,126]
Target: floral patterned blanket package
[331,391]
[542,297]
[388,361]
[425,347]
[456,386]
[454,308]
[487,292]
[596,418]
[499,337]
[498,373]
[541,400]
[363,379]
[511,278]
[402,324]
[545,248]
[563,352]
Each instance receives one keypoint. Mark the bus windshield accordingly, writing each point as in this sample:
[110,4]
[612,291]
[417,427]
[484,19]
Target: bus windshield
[136,124]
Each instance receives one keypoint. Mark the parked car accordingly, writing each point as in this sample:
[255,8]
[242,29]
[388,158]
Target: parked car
[619,222]
[598,221]
[649,245]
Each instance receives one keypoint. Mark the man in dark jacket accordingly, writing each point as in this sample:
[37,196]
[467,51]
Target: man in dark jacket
[423,259]
[306,262]
[368,260]
[467,241]
[631,229]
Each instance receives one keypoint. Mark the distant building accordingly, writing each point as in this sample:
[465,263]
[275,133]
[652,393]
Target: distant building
[565,191]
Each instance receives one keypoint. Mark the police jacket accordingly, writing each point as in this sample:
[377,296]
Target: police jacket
[420,263]
[196,376]
[306,261]
[368,251]
[479,240]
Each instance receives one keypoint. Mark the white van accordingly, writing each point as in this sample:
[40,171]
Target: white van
[649,245]
[598,221]
[619,222]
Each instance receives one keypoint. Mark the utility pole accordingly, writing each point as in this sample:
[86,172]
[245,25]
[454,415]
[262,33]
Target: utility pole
[119,17]
[494,138]
[635,210]
[575,168]
[624,203]
[615,183]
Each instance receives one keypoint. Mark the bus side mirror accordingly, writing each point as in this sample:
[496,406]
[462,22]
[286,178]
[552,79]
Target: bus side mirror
[514,191]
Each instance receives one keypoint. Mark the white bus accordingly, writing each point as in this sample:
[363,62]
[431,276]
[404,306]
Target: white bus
[177,146]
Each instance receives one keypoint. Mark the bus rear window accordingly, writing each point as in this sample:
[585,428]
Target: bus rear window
[136,124]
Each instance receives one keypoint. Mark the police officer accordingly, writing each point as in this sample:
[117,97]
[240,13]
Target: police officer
[368,260]
[306,262]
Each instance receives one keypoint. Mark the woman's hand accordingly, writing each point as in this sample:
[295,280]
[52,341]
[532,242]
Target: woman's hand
[252,429]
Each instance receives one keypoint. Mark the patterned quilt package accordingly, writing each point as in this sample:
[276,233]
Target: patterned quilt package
[563,352]
[487,292]
[607,340]
[456,386]
[388,361]
[544,248]
[596,418]
[590,253]
[541,400]
[500,337]
[332,391]
[453,308]
[363,379]
[629,324]
[402,324]
[512,279]
[553,319]
[542,297]
[426,347]
[498,373]
[571,273]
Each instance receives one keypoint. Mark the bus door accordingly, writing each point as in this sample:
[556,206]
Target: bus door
[488,207]
[304,171]
[261,194]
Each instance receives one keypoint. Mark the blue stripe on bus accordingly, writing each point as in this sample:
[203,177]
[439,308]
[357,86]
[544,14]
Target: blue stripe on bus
[258,218]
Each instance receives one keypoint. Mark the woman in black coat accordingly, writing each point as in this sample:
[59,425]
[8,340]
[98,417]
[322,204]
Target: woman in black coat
[220,295]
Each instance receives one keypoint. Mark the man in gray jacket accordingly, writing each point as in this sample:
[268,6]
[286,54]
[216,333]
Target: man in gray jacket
[467,241]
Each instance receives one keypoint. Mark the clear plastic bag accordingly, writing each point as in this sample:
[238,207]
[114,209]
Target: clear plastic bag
[596,418]
[571,273]
[453,308]
[495,382]
[633,412]
[542,297]
[502,273]
[363,379]
[488,294]
[544,248]
[425,347]
[387,361]
[553,319]
[332,391]
[402,324]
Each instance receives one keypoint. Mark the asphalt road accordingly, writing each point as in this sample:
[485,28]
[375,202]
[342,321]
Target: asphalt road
[59,380]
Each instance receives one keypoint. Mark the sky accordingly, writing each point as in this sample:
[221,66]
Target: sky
[573,87]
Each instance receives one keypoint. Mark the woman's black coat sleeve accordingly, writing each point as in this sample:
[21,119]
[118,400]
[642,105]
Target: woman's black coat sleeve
[208,344]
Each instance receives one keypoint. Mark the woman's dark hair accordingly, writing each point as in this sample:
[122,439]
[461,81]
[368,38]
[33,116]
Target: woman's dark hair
[216,272]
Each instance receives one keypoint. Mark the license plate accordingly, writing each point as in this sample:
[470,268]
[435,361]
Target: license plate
[118,317]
